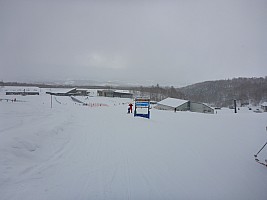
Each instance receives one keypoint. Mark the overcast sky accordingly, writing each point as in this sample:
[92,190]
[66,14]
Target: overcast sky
[166,42]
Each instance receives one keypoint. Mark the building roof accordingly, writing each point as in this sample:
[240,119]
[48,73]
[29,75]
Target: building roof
[123,91]
[172,102]
[264,104]
[61,90]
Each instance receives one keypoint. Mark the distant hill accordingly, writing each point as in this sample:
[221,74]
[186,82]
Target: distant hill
[223,92]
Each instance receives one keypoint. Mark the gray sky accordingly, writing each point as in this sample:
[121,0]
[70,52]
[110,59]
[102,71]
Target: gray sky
[149,42]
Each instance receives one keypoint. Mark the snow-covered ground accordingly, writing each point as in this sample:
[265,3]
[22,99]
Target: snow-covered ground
[98,151]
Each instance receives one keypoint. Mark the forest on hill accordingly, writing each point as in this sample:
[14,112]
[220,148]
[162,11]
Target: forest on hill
[216,93]
[223,92]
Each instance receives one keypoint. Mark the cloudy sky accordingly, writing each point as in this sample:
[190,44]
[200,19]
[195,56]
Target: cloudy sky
[167,42]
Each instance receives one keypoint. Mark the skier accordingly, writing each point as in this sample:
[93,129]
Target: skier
[130,108]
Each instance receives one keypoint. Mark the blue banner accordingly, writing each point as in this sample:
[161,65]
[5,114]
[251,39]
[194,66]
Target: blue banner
[142,104]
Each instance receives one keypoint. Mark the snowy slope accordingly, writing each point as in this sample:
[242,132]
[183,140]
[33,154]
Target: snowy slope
[82,152]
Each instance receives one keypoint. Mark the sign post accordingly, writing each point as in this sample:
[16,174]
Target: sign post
[141,104]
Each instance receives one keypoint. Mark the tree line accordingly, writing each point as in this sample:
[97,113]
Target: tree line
[219,93]
[223,92]
[216,93]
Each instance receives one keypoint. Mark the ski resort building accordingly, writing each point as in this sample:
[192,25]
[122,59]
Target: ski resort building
[183,105]
[172,104]
[116,93]
[24,92]
[200,107]
[70,92]
[264,106]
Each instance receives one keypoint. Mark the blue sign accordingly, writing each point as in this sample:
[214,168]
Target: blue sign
[142,104]
[142,115]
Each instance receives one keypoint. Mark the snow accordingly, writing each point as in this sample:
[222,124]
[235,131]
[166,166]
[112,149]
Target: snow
[80,152]
[172,102]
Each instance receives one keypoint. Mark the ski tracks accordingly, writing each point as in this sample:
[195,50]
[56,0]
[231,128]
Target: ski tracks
[127,175]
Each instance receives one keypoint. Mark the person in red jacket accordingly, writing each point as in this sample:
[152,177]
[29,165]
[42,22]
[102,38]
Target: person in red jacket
[130,109]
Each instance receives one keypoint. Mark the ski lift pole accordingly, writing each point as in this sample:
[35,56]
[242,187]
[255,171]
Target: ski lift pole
[235,105]
[51,101]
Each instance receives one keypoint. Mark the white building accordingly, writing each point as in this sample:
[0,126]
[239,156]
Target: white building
[183,105]
[200,107]
[264,106]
